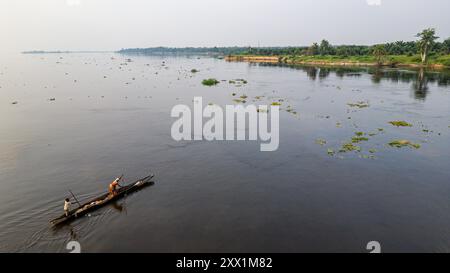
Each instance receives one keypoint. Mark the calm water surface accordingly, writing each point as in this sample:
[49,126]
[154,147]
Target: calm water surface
[112,116]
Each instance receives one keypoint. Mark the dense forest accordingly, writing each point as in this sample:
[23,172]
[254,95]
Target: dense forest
[323,48]
[421,51]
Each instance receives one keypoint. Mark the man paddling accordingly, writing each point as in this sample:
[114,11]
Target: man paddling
[113,186]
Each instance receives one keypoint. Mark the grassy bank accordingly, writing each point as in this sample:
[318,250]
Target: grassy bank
[437,61]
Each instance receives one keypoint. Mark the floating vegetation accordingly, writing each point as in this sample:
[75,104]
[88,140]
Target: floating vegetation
[359,133]
[243,97]
[349,147]
[367,156]
[401,123]
[404,143]
[338,125]
[233,94]
[238,82]
[372,151]
[239,101]
[52,99]
[331,151]
[276,104]
[210,82]
[359,104]
[14,102]
[359,139]
[380,130]
[194,71]
[321,142]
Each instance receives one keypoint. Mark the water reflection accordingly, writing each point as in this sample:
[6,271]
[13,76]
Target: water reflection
[119,207]
[419,78]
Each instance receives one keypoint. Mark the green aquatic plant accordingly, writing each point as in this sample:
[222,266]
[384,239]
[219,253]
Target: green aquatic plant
[210,82]
[359,104]
[404,143]
[243,81]
[349,147]
[276,104]
[331,151]
[359,139]
[359,133]
[400,123]
[372,151]
[321,142]
[367,156]
[194,71]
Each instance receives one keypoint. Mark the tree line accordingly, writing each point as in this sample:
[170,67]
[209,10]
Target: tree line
[426,45]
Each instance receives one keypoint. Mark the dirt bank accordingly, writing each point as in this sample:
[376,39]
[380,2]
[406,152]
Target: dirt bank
[287,60]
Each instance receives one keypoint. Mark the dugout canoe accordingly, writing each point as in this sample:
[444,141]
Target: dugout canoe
[102,200]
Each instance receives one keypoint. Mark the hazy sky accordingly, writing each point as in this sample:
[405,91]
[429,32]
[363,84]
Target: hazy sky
[115,24]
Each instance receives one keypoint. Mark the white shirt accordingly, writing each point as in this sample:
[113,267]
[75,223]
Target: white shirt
[66,205]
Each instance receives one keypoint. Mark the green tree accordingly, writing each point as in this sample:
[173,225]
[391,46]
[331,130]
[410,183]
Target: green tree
[379,51]
[325,48]
[313,50]
[342,51]
[427,39]
[446,46]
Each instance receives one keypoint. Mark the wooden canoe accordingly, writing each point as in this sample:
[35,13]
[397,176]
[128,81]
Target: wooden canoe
[102,201]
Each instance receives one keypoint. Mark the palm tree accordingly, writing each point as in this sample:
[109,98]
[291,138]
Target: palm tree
[379,51]
[427,39]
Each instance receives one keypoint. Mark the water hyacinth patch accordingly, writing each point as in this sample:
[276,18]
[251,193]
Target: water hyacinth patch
[401,123]
[404,143]
[210,82]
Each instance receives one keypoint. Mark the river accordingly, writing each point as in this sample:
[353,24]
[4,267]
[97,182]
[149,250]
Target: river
[76,121]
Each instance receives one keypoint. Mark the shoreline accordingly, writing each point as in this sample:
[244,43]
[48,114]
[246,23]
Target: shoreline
[340,63]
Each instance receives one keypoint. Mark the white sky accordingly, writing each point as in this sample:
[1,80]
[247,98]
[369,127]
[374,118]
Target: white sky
[115,24]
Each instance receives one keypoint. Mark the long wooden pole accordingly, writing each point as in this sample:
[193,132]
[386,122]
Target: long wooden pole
[75,198]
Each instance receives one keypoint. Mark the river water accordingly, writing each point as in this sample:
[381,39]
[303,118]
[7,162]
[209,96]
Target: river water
[79,120]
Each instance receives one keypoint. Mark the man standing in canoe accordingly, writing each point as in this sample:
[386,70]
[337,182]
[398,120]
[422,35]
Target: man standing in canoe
[67,204]
[113,186]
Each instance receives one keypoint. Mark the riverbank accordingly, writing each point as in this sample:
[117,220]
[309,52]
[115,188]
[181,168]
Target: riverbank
[435,62]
